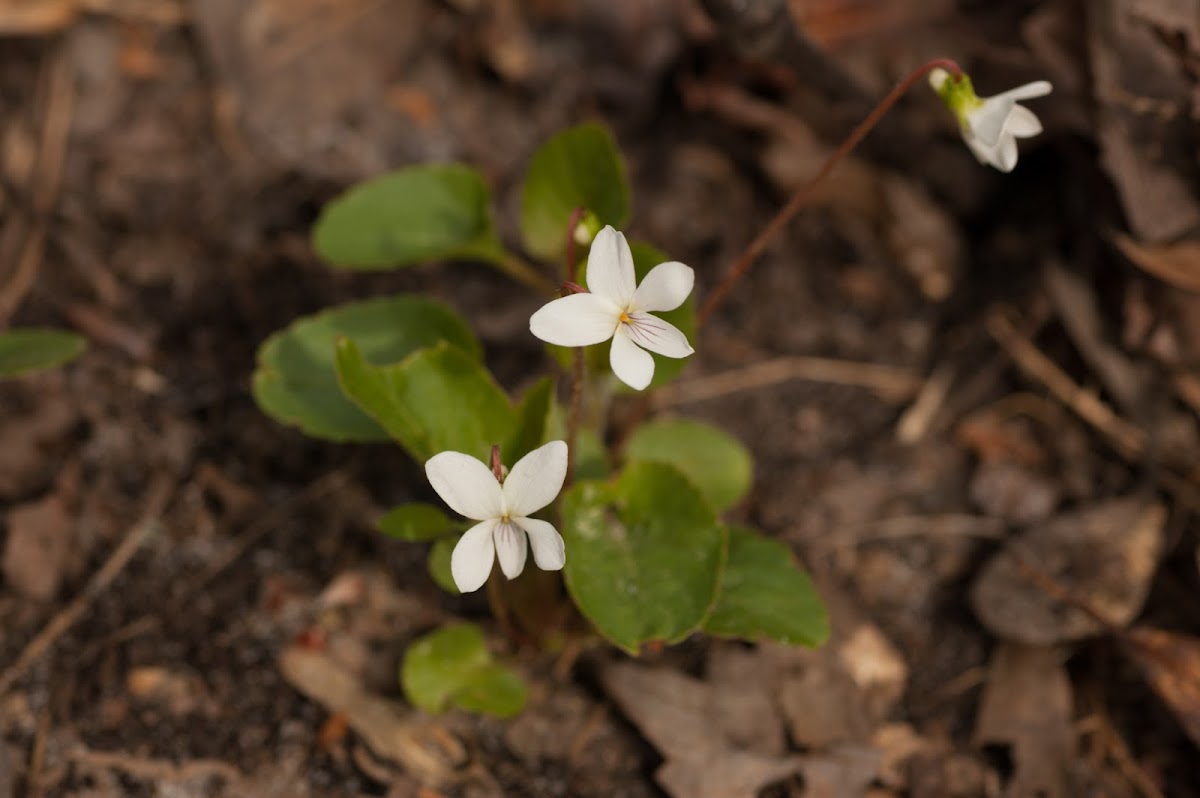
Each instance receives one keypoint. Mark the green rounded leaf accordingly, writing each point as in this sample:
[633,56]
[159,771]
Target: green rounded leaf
[439,564]
[591,456]
[714,460]
[764,594]
[296,384]
[423,213]
[416,522]
[493,690]
[435,400]
[535,415]
[644,555]
[578,168]
[438,665]
[25,350]
[453,666]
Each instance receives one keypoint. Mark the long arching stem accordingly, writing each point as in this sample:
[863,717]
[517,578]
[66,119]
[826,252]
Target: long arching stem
[785,214]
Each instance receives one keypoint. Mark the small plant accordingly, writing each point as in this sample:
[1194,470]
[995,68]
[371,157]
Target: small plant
[632,518]
[24,350]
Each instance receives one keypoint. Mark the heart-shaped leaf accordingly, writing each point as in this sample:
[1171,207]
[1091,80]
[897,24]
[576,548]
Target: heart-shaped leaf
[644,555]
[714,460]
[453,666]
[578,168]
[296,383]
[422,213]
[435,400]
[764,594]
[28,349]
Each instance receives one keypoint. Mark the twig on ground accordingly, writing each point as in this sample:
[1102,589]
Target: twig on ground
[159,495]
[1101,725]
[909,526]
[157,769]
[37,757]
[59,101]
[915,422]
[890,382]
[1128,440]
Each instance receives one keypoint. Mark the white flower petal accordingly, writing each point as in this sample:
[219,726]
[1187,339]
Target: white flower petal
[536,479]
[1038,88]
[471,561]
[576,320]
[549,552]
[657,335]
[466,484]
[1006,154]
[510,548]
[1022,123]
[632,366]
[983,153]
[987,121]
[610,267]
[664,288]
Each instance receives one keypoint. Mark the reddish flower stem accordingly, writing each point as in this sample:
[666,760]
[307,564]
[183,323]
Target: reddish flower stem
[497,466]
[785,214]
[572,223]
[575,414]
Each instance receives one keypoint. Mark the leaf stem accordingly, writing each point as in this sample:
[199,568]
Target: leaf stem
[575,414]
[785,214]
[524,273]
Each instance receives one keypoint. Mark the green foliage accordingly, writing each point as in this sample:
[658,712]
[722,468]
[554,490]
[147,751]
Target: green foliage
[453,667]
[535,414]
[418,214]
[434,400]
[714,460]
[28,349]
[578,168]
[439,564]
[764,594]
[591,456]
[644,555]
[417,522]
[296,383]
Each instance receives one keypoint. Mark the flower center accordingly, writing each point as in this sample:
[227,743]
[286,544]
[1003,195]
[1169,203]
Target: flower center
[625,318]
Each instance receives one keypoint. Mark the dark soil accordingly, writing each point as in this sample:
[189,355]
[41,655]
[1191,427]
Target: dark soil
[201,141]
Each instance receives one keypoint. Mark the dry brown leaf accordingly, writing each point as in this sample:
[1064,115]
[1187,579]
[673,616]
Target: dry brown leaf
[1171,664]
[1105,555]
[1142,98]
[745,703]
[679,716]
[36,17]
[36,547]
[389,728]
[1177,264]
[1027,706]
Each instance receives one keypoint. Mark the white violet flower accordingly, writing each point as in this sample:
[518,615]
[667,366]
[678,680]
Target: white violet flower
[991,125]
[502,510]
[618,308]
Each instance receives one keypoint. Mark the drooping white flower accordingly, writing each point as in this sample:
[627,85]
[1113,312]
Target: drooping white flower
[502,510]
[991,125]
[618,308]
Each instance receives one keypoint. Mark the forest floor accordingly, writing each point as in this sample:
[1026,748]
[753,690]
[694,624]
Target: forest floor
[971,397]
